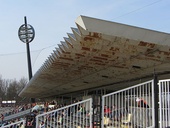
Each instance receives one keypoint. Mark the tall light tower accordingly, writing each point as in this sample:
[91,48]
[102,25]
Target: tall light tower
[26,34]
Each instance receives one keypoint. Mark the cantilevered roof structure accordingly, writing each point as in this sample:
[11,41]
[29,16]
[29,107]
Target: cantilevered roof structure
[100,53]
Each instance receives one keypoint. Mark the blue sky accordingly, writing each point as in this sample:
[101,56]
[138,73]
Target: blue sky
[52,20]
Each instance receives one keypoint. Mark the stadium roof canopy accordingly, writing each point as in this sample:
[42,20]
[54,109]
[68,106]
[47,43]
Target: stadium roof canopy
[99,53]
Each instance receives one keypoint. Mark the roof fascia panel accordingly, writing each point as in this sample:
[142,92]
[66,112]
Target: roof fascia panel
[61,48]
[70,35]
[72,38]
[58,51]
[48,63]
[50,60]
[76,30]
[77,35]
[80,21]
[82,30]
[65,45]
[54,55]
[121,30]
[69,43]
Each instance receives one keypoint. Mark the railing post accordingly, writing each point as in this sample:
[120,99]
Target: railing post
[97,109]
[156,93]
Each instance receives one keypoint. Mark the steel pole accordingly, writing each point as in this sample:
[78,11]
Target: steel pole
[156,93]
[29,61]
[28,55]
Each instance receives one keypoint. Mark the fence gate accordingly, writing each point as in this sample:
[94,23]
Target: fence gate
[164,103]
[131,107]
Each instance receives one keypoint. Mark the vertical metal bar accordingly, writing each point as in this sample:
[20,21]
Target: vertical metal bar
[100,109]
[70,112]
[149,102]
[86,116]
[93,106]
[151,96]
[122,105]
[160,103]
[112,98]
[83,111]
[86,106]
[163,104]
[153,104]
[143,109]
[131,97]
[156,100]
[90,114]
[125,103]
[140,108]
[168,104]
[116,103]
[133,109]
[137,116]
[119,107]
[165,93]
[147,109]
[131,105]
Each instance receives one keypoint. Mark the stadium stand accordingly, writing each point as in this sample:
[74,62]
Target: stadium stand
[107,67]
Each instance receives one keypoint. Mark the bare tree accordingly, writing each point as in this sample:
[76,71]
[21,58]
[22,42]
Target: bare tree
[9,89]
[12,90]
[3,88]
[21,84]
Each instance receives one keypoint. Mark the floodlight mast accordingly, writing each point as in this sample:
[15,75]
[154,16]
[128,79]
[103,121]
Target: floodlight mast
[28,50]
[26,34]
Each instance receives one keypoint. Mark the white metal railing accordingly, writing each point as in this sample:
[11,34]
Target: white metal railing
[19,124]
[74,115]
[16,115]
[130,107]
[164,103]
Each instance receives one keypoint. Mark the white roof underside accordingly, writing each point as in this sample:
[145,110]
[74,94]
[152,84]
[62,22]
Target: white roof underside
[99,53]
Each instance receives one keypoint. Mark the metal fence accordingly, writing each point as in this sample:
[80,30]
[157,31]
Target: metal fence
[131,107]
[19,124]
[77,115]
[164,103]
